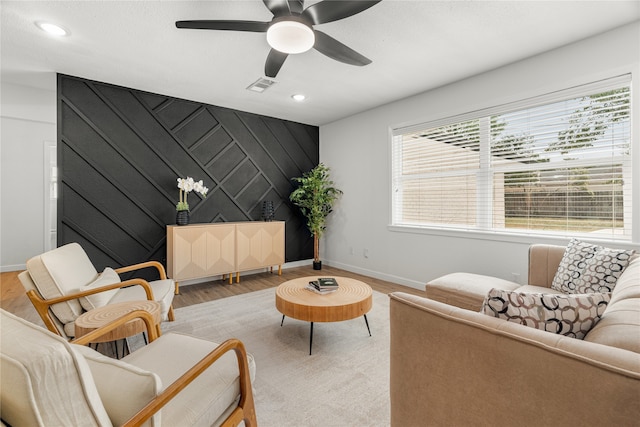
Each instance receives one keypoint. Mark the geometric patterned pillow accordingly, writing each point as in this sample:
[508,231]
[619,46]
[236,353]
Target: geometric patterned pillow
[587,268]
[569,315]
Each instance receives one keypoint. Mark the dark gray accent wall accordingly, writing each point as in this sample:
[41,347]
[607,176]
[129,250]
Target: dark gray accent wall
[120,151]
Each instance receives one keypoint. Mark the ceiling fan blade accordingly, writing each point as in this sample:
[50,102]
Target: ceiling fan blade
[331,47]
[329,11]
[278,7]
[275,59]
[252,26]
[296,6]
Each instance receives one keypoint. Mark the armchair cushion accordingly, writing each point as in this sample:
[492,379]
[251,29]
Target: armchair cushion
[43,381]
[107,277]
[163,292]
[123,388]
[207,397]
[60,272]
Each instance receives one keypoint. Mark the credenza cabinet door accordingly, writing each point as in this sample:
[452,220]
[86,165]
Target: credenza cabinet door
[196,251]
[259,244]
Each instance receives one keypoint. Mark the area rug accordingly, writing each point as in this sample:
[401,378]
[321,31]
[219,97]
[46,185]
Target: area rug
[345,382]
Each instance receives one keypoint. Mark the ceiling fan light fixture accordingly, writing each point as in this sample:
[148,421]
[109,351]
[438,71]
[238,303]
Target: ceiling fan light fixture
[52,29]
[289,36]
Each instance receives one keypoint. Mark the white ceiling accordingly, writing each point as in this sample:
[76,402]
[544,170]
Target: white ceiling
[414,45]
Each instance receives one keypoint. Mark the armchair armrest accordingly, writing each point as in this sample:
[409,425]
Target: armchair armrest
[145,316]
[42,305]
[246,408]
[140,266]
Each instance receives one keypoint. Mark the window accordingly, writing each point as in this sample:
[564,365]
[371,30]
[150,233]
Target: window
[557,165]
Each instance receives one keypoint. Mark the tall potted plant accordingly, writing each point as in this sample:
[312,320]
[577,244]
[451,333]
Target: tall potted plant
[315,197]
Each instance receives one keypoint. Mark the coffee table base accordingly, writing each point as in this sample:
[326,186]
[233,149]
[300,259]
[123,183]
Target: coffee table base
[311,331]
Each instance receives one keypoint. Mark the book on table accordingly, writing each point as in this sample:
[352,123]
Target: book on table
[327,282]
[323,285]
[312,288]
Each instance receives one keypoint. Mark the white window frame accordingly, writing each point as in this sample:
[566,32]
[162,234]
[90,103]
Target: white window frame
[485,230]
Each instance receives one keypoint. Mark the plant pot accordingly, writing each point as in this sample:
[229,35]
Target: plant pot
[317,265]
[182,217]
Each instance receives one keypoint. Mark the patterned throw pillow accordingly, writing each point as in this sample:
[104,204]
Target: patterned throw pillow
[586,268]
[569,315]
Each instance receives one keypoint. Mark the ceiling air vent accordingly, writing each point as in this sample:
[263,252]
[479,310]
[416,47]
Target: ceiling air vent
[260,85]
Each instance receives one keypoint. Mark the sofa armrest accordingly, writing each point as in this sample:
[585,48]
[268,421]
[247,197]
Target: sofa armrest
[451,366]
[543,264]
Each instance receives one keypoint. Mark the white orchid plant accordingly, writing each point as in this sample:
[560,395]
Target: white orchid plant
[187,185]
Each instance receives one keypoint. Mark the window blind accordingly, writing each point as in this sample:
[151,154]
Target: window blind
[558,164]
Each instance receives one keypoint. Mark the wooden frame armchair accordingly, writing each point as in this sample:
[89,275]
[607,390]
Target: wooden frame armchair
[89,394]
[63,283]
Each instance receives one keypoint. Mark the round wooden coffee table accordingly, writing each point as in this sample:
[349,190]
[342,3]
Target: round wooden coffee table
[352,299]
[93,319]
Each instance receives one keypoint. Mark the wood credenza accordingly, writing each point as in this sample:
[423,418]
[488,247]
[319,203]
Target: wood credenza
[202,250]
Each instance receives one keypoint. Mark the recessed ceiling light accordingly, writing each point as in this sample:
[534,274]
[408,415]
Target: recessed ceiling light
[299,97]
[53,29]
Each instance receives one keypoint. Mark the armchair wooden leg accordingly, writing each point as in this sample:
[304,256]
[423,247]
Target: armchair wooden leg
[171,314]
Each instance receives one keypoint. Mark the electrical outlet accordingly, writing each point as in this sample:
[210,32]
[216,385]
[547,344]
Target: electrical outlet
[366,252]
[351,250]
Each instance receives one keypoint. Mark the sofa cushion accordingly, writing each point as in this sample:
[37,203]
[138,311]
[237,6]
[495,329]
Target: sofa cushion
[59,272]
[465,290]
[586,268]
[569,315]
[628,285]
[209,395]
[107,277]
[619,327]
[124,389]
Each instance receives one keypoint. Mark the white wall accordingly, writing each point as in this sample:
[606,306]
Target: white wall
[27,120]
[357,149]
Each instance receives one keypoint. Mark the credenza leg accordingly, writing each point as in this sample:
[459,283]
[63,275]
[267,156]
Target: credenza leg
[177,291]
[237,277]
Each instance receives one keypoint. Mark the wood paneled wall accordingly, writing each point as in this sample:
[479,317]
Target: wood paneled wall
[120,151]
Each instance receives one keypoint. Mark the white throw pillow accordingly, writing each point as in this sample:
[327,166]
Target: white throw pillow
[123,388]
[107,277]
[586,268]
[569,315]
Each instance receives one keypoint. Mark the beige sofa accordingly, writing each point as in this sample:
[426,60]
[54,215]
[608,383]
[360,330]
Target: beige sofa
[457,366]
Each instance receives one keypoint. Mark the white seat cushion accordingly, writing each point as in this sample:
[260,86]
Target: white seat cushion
[206,398]
[163,292]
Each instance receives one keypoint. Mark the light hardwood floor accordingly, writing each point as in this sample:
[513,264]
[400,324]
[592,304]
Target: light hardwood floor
[14,299]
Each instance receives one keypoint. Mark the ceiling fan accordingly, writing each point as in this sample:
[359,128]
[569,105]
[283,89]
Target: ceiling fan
[291,30]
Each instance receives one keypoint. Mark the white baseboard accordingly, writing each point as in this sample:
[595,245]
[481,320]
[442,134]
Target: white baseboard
[378,275]
[17,267]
